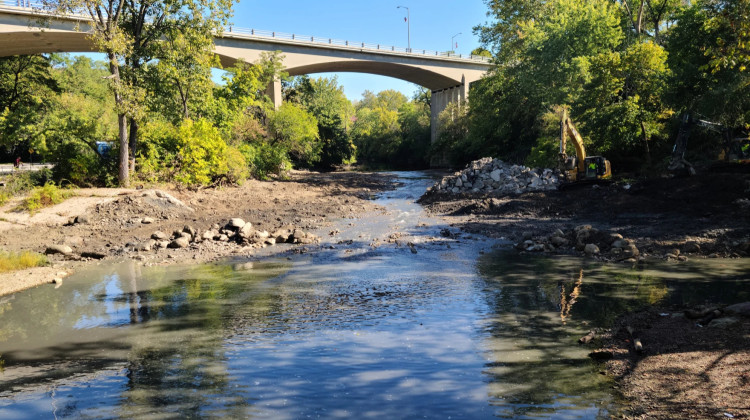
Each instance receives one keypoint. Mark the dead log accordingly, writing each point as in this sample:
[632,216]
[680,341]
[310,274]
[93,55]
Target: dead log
[637,345]
[587,338]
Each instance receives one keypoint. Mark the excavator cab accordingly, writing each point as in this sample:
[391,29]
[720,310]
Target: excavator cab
[597,167]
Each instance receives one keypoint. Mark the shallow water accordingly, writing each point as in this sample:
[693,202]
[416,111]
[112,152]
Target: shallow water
[366,329]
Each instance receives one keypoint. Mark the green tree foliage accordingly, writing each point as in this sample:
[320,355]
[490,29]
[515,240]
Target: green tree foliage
[324,98]
[602,60]
[26,87]
[296,130]
[193,154]
[391,131]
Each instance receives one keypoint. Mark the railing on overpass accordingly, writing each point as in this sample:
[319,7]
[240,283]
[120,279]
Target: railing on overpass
[236,32]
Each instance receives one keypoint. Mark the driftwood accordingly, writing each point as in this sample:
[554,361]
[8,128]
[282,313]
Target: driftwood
[637,345]
[587,338]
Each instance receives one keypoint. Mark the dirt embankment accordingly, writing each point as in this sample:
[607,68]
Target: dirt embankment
[690,366]
[114,224]
[707,215]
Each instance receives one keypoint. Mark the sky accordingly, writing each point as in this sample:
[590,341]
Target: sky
[433,23]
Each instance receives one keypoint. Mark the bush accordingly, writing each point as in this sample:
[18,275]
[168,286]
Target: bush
[266,159]
[193,154]
[26,259]
[45,196]
[80,165]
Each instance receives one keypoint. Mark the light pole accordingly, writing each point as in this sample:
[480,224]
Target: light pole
[452,41]
[408,27]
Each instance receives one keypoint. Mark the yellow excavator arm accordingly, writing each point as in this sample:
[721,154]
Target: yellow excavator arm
[579,166]
[568,129]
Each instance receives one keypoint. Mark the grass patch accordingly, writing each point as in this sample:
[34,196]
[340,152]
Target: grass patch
[4,197]
[45,196]
[10,261]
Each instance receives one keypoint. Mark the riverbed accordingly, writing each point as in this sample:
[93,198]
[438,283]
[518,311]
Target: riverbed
[397,315]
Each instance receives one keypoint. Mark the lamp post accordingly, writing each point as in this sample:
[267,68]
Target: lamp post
[408,27]
[454,36]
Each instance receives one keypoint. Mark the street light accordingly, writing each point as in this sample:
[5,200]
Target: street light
[408,27]
[452,41]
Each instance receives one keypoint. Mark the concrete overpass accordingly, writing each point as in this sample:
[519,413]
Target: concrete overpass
[448,76]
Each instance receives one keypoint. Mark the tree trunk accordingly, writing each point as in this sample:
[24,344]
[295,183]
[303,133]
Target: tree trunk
[133,142]
[122,123]
[645,143]
[639,25]
[124,174]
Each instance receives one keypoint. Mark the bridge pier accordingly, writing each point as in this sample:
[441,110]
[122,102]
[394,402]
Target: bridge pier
[440,100]
[274,92]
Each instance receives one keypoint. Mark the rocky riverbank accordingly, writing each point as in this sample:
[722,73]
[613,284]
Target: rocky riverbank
[167,226]
[663,218]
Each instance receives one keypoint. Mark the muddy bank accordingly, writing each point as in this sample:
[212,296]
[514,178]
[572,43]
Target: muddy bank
[96,225]
[689,362]
[703,216]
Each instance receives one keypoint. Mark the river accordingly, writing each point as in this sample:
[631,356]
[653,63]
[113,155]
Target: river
[397,316]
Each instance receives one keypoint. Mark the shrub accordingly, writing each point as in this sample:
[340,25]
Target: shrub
[237,169]
[80,165]
[45,196]
[16,261]
[200,153]
[266,159]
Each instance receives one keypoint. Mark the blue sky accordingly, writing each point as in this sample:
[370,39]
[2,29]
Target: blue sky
[433,23]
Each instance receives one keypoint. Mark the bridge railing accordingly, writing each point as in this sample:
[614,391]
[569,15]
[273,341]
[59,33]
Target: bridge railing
[319,40]
[232,31]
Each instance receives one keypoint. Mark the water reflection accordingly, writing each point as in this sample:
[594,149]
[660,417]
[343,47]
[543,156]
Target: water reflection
[540,306]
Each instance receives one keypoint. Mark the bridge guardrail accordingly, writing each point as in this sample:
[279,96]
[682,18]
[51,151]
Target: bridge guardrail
[232,31]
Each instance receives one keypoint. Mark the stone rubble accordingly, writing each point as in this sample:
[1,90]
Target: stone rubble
[584,239]
[488,175]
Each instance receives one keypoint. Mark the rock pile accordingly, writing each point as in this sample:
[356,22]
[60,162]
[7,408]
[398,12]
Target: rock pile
[490,175]
[235,230]
[585,239]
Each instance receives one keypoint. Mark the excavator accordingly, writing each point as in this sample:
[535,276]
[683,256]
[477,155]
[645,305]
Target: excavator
[579,167]
[735,149]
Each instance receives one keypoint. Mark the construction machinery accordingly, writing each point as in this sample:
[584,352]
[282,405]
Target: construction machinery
[735,149]
[579,167]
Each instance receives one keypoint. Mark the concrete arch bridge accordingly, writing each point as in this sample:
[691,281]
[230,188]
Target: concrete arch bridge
[448,76]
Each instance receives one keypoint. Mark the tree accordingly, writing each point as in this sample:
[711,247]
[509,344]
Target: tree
[26,86]
[109,37]
[296,130]
[126,31]
[324,98]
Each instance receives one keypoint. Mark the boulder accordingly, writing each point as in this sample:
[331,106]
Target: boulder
[691,247]
[246,231]
[591,249]
[742,309]
[147,220]
[58,249]
[159,235]
[181,242]
[236,223]
[558,241]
